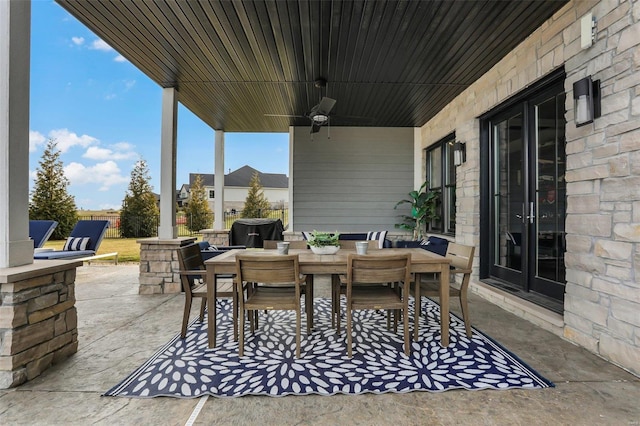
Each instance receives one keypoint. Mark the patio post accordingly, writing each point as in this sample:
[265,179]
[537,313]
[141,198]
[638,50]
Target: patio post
[218,183]
[15,31]
[168,153]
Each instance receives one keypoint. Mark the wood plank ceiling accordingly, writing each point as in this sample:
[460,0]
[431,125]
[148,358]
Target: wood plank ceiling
[387,63]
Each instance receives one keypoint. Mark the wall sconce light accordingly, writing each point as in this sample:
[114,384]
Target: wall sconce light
[586,96]
[459,153]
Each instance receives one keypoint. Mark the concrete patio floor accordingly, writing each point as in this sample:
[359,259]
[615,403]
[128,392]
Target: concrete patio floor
[119,330]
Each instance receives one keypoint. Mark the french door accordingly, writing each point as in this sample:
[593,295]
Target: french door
[527,193]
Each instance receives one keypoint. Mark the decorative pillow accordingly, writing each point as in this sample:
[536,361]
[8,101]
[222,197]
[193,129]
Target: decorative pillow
[436,245]
[379,236]
[76,243]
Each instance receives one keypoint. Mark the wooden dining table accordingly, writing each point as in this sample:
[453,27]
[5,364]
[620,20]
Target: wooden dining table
[422,261]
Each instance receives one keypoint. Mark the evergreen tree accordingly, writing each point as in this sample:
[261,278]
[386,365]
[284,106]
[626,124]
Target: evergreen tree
[256,203]
[139,215]
[197,211]
[49,198]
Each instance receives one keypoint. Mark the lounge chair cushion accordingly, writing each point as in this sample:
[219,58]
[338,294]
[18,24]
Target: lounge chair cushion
[76,243]
[62,254]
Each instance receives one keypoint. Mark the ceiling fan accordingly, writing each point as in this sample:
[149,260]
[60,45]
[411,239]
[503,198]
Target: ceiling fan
[320,113]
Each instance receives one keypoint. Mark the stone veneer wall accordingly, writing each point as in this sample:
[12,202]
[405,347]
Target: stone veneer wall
[38,319]
[159,265]
[602,302]
[216,237]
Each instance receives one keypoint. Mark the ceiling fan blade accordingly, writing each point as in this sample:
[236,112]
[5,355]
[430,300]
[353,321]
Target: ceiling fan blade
[315,128]
[325,106]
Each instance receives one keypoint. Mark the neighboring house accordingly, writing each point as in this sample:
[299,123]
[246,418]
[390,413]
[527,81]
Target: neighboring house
[236,187]
[182,195]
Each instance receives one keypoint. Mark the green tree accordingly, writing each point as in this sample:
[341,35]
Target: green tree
[139,215]
[256,203]
[197,211]
[49,198]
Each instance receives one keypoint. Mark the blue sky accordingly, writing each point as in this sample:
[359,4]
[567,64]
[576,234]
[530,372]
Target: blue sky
[105,115]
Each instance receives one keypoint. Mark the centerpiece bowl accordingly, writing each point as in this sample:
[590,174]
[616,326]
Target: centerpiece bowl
[325,249]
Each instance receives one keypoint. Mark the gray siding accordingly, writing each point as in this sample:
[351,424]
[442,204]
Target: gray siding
[352,181]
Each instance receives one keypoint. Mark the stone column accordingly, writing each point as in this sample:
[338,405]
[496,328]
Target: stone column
[168,153]
[159,269]
[15,28]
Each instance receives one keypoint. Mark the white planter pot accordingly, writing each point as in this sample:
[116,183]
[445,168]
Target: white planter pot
[325,249]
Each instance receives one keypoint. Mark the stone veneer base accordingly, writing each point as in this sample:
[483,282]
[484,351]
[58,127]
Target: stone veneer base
[159,270]
[38,319]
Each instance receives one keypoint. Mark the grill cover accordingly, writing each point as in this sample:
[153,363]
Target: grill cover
[252,232]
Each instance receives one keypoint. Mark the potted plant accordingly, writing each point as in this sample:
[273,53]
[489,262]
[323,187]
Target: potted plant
[423,210]
[324,242]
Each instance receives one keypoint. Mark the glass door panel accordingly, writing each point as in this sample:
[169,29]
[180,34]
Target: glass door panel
[508,196]
[550,196]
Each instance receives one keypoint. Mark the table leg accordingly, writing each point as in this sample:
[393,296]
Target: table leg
[211,302]
[417,306]
[444,305]
[310,290]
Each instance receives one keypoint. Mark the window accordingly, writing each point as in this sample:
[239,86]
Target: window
[441,174]
[212,193]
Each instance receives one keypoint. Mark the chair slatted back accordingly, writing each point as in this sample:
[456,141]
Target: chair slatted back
[273,270]
[363,269]
[461,257]
[190,259]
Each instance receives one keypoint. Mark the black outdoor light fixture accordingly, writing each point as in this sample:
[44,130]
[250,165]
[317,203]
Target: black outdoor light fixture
[459,153]
[586,97]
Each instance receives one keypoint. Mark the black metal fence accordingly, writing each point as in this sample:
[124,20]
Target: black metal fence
[183,222]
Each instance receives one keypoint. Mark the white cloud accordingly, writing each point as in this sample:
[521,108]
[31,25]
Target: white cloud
[66,139]
[78,41]
[128,84]
[120,58]
[110,96]
[123,146]
[97,153]
[104,174]
[100,44]
[35,139]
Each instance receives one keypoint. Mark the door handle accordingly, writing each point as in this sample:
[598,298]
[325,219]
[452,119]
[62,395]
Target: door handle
[527,217]
[531,217]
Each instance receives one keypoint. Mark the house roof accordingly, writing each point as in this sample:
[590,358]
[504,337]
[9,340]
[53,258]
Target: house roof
[242,178]
[388,63]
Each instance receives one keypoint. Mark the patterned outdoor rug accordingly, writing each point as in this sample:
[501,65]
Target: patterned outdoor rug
[187,369]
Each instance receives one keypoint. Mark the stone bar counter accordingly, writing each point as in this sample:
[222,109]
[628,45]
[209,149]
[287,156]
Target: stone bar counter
[38,320]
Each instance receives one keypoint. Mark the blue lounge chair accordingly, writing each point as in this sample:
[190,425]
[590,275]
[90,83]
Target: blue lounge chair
[40,231]
[84,240]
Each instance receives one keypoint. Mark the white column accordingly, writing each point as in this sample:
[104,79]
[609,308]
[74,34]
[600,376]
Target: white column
[168,153]
[290,208]
[218,184]
[15,31]
[418,160]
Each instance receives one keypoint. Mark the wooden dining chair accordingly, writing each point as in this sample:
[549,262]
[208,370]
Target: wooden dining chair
[372,283]
[339,283]
[276,286]
[193,277]
[307,280]
[461,257]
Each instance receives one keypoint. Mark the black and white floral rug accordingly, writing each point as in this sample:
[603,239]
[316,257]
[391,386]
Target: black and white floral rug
[187,368]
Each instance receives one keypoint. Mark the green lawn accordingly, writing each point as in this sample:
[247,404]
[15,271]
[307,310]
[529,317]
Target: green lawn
[127,248]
